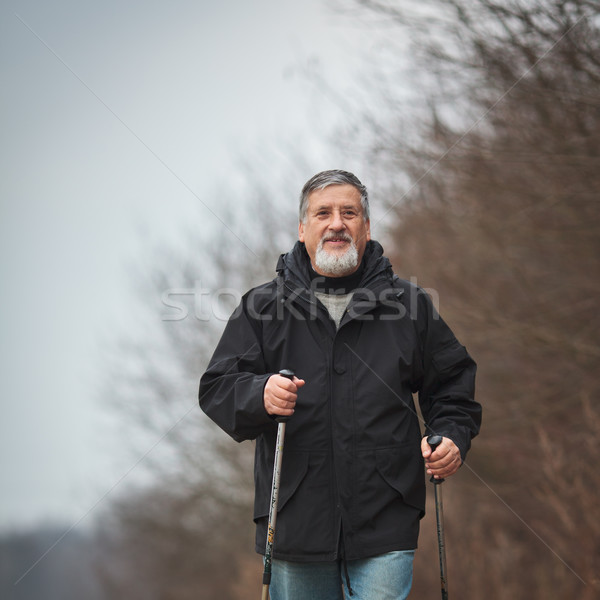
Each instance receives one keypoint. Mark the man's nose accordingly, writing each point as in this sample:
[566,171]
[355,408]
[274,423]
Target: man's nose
[336,223]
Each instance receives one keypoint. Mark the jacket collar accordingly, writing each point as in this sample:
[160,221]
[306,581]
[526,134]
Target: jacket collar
[294,280]
[294,266]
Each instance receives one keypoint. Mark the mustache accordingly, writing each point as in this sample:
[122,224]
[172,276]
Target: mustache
[346,237]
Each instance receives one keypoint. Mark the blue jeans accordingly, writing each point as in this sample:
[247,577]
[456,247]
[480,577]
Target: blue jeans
[384,577]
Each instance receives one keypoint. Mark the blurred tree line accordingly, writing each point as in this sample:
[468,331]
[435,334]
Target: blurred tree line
[500,214]
[492,181]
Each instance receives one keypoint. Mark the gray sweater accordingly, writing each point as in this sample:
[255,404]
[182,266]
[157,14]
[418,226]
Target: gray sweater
[335,304]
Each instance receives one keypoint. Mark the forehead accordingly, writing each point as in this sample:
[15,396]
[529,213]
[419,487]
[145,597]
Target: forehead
[334,195]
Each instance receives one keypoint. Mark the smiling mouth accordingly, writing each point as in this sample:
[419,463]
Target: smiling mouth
[335,245]
[338,239]
[335,242]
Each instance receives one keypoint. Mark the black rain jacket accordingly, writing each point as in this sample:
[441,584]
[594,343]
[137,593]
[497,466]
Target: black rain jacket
[352,478]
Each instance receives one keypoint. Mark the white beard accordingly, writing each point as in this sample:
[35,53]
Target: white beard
[336,265]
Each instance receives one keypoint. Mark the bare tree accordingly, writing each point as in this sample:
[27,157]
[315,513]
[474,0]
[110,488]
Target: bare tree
[185,529]
[496,206]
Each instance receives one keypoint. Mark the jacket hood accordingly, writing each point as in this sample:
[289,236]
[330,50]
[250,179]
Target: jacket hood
[294,266]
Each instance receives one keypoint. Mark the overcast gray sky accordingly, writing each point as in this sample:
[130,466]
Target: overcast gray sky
[117,117]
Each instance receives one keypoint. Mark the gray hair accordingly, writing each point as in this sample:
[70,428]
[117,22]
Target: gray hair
[333,177]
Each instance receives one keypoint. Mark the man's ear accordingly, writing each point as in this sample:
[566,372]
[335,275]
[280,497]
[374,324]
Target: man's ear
[301,231]
[368,230]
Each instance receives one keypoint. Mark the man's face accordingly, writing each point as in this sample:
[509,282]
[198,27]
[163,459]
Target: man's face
[334,232]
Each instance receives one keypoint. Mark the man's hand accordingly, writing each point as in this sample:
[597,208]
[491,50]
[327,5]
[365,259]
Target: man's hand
[280,395]
[445,461]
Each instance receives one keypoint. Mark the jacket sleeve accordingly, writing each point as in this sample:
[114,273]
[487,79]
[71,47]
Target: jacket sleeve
[447,389]
[231,389]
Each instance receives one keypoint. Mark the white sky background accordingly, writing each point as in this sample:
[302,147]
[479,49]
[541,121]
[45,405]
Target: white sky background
[96,99]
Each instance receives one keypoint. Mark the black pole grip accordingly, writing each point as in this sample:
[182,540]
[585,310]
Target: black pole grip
[434,441]
[290,375]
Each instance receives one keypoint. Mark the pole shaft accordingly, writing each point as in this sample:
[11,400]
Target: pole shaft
[434,441]
[289,374]
[439,513]
[273,509]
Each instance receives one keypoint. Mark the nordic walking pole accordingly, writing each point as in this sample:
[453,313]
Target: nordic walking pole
[434,441]
[274,496]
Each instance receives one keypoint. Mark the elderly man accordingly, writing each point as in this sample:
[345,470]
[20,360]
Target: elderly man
[361,342]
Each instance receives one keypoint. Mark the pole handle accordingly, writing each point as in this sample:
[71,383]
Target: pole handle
[290,375]
[434,441]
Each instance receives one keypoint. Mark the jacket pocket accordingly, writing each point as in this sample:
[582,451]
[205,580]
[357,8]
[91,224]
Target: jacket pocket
[450,360]
[401,468]
[390,491]
[305,522]
[293,470]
